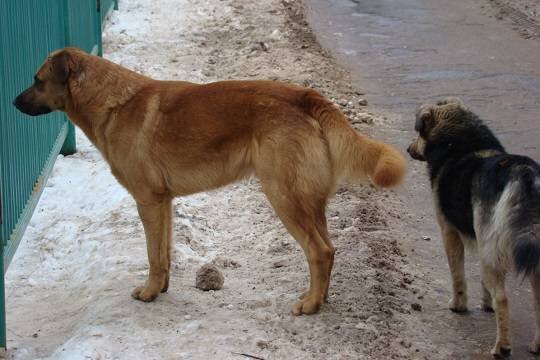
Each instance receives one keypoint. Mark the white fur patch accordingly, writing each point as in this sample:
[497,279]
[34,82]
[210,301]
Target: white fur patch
[494,236]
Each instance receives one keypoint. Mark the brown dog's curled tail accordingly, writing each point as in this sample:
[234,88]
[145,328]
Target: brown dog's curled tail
[354,156]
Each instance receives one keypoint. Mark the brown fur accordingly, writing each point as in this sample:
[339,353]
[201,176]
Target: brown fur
[164,139]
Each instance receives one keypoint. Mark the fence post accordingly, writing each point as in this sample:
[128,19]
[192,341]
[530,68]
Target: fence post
[70,145]
[98,29]
[3,330]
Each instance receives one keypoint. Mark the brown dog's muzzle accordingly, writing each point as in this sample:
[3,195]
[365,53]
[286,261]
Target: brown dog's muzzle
[26,104]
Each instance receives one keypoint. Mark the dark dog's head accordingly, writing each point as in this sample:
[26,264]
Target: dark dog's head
[50,91]
[447,117]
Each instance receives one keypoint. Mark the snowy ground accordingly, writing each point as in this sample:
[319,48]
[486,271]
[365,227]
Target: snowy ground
[68,288]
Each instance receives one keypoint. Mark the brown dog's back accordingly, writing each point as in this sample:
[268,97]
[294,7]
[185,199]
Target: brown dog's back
[221,129]
[240,114]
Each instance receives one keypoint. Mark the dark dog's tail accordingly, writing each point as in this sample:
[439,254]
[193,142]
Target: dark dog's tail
[526,243]
[527,252]
[354,156]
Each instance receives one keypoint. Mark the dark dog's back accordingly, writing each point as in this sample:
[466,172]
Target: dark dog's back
[507,188]
[498,195]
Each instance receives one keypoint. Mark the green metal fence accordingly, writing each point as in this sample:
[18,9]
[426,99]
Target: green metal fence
[106,7]
[29,30]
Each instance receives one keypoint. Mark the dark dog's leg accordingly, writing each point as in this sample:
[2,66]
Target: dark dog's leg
[157,222]
[494,281]
[487,302]
[534,346]
[455,253]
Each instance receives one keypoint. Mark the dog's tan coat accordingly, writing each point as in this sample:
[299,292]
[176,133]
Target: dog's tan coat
[164,139]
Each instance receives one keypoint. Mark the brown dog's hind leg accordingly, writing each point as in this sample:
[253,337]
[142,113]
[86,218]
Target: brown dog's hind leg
[302,216]
[534,346]
[455,254]
[157,222]
[323,232]
[319,255]
[296,174]
[168,247]
[494,282]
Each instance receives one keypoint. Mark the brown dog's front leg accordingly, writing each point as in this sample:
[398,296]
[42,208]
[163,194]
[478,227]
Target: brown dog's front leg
[156,219]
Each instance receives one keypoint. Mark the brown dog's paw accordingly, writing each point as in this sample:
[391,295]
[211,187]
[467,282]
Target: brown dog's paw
[165,286]
[308,305]
[304,295]
[142,293]
[534,347]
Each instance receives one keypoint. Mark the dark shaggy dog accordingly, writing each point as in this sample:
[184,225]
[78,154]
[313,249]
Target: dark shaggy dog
[482,194]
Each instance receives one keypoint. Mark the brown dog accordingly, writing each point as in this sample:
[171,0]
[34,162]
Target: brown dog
[164,139]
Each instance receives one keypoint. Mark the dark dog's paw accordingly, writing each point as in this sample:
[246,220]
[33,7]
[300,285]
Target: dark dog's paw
[487,308]
[506,351]
[458,304]
[501,351]
[459,310]
[534,347]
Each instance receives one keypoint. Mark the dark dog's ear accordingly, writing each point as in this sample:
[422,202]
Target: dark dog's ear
[451,100]
[62,65]
[424,120]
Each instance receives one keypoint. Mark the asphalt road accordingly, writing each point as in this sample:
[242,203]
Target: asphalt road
[404,53]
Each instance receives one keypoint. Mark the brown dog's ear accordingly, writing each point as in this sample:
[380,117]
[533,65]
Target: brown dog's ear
[63,64]
[424,120]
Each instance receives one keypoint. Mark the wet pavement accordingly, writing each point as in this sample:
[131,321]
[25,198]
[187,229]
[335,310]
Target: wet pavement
[404,53]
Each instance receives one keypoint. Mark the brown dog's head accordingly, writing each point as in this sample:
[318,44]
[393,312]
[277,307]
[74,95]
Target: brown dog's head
[446,116]
[49,92]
